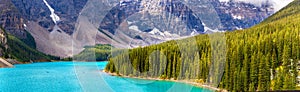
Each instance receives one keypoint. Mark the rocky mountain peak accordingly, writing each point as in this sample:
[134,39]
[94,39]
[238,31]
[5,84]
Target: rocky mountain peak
[55,24]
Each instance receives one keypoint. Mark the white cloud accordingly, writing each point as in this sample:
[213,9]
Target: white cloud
[277,4]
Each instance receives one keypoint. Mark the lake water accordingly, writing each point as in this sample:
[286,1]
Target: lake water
[79,77]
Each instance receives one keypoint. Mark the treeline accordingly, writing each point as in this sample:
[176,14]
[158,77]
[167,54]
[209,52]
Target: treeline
[99,52]
[261,58]
[22,50]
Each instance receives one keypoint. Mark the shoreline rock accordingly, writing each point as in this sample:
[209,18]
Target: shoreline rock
[5,63]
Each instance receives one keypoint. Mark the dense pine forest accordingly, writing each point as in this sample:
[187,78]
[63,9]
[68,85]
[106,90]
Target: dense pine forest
[261,58]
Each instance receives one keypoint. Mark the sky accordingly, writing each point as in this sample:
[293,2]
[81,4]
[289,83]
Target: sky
[278,4]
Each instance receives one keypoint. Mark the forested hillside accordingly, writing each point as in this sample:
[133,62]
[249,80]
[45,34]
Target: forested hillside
[261,58]
[15,48]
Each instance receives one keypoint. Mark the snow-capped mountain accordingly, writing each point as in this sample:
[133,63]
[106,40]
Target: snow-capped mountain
[157,21]
[276,4]
[57,24]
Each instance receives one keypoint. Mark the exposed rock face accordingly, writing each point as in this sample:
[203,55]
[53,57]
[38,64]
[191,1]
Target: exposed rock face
[11,19]
[4,63]
[3,43]
[37,11]
[240,15]
[146,22]
[129,23]
[53,43]
[51,37]
[3,51]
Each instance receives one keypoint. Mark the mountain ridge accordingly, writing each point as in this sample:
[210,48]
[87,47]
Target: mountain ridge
[55,38]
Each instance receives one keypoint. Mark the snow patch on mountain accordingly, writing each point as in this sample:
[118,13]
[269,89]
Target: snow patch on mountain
[277,4]
[136,28]
[224,0]
[208,30]
[239,28]
[24,25]
[237,17]
[54,17]
[156,31]
[167,33]
[194,33]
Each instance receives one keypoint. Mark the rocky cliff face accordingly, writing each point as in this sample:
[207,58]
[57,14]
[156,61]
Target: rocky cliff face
[37,11]
[233,15]
[50,22]
[55,24]
[144,22]
[240,15]
[11,19]
[3,43]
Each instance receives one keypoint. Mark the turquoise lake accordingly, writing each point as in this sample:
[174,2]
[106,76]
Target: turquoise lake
[79,77]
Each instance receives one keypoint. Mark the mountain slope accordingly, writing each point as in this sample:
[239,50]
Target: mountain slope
[14,48]
[11,19]
[260,58]
[158,21]
[53,23]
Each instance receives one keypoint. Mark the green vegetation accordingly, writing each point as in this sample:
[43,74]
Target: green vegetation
[261,58]
[24,53]
[100,52]
[29,40]
[20,51]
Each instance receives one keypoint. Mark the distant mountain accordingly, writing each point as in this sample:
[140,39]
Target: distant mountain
[53,23]
[11,19]
[143,23]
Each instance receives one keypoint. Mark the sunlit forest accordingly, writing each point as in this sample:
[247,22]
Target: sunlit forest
[260,58]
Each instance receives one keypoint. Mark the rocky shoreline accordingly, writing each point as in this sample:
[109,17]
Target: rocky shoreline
[5,63]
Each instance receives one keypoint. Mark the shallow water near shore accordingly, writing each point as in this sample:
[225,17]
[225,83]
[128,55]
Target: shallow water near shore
[63,77]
